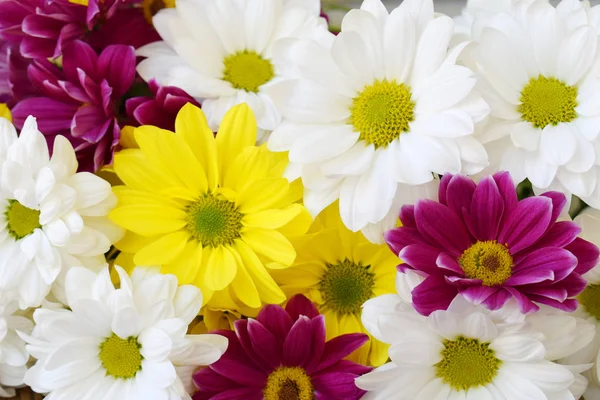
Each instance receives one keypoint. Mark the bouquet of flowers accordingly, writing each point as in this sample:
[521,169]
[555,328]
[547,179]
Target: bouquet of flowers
[235,200]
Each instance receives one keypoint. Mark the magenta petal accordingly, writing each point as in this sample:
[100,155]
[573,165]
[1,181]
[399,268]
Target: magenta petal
[433,294]
[559,235]
[478,294]
[558,294]
[399,238]
[508,191]
[240,373]
[407,216]
[241,329]
[525,305]
[90,123]
[151,113]
[208,380]
[443,190]
[237,394]
[421,257]
[318,343]
[558,203]
[497,300]
[442,227]
[568,305]
[460,193]
[53,116]
[264,343]
[79,55]
[587,254]
[32,47]
[276,320]
[526,224]
[298,343]
[559,261]
[42,26]
[530,276]
[117,65]
[573,284]
[337,385]
[487,209]
[300,305]
[340,347]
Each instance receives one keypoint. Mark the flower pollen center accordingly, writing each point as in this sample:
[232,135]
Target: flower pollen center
[590,300]
[547,101]
[247,70]
[152,7]
[121,358]
[80,2]
[21,220]
[346,286]
[467,363]
[213,222]
[288,383]
[382,112]
[488,261]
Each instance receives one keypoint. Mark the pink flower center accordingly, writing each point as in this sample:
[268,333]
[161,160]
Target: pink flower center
[488,261]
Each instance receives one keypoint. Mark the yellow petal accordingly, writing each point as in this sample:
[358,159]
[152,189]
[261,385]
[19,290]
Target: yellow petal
[299,225]
[164,250]
[267,288]
[270,244]
[127,139]
[331,324]
[187,265]
[134,169]
[250,165]
[192,126]
[149,220]
[5,112]
[272,219]
[307,275]
[378,352]
[262,195]
[237,131]
[127,196]
[221,268]
[242,284]
[132,242]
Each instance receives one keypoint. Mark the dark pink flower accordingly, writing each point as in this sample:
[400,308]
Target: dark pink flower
[480,241]
[81,101]
[160,110]
[14,82]
[283,352]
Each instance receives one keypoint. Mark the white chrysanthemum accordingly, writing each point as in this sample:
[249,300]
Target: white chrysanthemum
[379,110]
[13,354]
[459,353]
[125,343]
[51,217]
[220,51]
[539,68]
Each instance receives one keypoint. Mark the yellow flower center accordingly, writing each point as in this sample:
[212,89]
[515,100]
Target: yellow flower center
[121,358]
[21,220]
[80,2]
[547,101]
[346,286]
[467,363]
[590,300]
[288,383]
[5,112]
[152,7]
[489,261]
[382,111]
[213,221]
[247,70]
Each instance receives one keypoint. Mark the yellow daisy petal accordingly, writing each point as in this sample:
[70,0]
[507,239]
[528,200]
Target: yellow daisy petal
[127,139]
[272,219]
[270,244]
[5,112]
[130,197]
[379,352]
[331,324]
[251,164]
[162,251]
[192,126]
[134,169]
[187,265]
[132,242]
[269,291]
[220,269]
[298,225]
[149,220]
[238,130]
[243,286]
[262,195]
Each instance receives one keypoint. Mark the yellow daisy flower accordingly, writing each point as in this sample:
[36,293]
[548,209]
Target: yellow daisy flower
[5,112]
[339,270]
[215,212]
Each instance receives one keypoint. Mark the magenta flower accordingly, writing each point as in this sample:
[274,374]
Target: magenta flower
[14,82]
[160,110]
[282,354]
[480,241]
[81,101]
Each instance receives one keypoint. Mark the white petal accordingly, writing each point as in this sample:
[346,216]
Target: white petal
[576,54]
[354,161]
[525,135]
[399,42]
[518,348]
[431,49]
[321,145]
[156,344]
[558,144]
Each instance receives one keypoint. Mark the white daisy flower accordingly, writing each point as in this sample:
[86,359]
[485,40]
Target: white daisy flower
[539,69]
[13,354]
[220,51]
[51,217]
[379,110]
[460,353]
[125,343]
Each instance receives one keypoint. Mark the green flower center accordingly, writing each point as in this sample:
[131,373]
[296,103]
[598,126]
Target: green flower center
[590,300]
[467,363]
[247,70]
[288,383]
[489,261]
[382,111]
[21,220]
[547,101]
[214,222]
[121,358]
[346,286]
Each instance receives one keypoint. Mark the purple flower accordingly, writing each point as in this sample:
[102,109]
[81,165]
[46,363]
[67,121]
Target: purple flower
[81,101]
[43,28]
[484,243]
[160,110]
[14,82]
[283,353]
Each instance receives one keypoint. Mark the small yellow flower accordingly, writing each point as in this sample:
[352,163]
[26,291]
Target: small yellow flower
[339,270]
[215,212]
[5,112]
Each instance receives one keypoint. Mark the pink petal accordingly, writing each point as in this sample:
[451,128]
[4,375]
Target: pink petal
[298,343]
[507,190]
[117,65]
[79,55]
[526,224]
[478,294]
[460,193]
[442,227]
[276,320]
[264,343]
[587,254]
[487,209]
[525,305]
[497,300]
[407,216]
[421,257]
[340,347]
[300,305]
[433,294]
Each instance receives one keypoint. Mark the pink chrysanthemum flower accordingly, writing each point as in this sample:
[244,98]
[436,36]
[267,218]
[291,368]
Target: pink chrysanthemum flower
[281,354]
[481,241]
